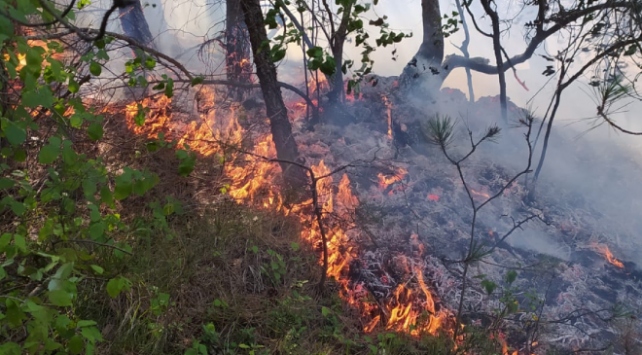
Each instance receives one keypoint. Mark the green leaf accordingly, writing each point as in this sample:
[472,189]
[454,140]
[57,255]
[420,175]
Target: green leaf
[329,66]
[20,242]
[97,269]
[5,239]
[511,276]
[187,161]
[50,152]
[325,311]
[19,155]
[33,61]
[92,334]
[276,54]
[10,348]
[38,97]
[97,230]
[73,86]
[6,183]
[95,131]
[13,314]
[89,188]
[169,88]
[76,120]
[75,345]
[139,119]
[85,323]
[106,196]
[64,271]
[60,298]
[150,63]
[197,80]
[15,135]
[122,190]
[315,52]
[94,68]
[116,285]
[489,286]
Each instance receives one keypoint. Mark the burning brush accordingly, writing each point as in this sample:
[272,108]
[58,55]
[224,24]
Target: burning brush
[606,253]
[408,306]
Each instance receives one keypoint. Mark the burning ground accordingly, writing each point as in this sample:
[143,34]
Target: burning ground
[397,217]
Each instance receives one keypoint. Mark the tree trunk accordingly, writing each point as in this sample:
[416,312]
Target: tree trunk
[286,148]
[134,24]
[238,67]
[424,71]
[337,92]
[464,49]
[499,61]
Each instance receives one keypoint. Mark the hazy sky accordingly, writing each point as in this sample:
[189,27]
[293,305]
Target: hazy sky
[180,25]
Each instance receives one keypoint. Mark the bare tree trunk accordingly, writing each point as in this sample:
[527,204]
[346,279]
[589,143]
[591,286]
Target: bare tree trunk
[499,61]
[337,93]
[464,50]
[237,62]
[286,148]
[424,70]
[134,24]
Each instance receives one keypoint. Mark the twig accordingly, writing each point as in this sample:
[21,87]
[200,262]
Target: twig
[96,243]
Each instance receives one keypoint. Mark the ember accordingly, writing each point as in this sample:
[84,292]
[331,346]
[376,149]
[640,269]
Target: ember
[433,197]
[385,181]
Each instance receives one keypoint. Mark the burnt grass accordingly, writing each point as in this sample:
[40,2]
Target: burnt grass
[580,300]
[239,278]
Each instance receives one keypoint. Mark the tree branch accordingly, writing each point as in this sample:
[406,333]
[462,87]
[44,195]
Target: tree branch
[457,61]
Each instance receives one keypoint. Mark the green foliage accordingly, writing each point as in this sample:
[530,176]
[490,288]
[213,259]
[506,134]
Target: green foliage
[274,268]
[60,225]
[450,24]
[351,14]
[439,130]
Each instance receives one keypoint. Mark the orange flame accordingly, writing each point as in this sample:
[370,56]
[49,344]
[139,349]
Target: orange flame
[411,308]
[318,83]
[480,193]
[386,180]
[606,252]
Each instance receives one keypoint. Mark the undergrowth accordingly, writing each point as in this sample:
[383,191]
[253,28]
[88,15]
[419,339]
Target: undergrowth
[231,280]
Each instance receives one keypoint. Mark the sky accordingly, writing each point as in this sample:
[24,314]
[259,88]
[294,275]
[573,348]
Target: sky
[181,25]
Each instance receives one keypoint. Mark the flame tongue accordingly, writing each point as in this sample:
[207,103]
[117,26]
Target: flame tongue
[411,307]
[606,252]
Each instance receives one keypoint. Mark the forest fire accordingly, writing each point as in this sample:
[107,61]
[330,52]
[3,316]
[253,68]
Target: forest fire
[608,255]
[386,180]
[482,194]
[411,307]
[410,253]
[318,84]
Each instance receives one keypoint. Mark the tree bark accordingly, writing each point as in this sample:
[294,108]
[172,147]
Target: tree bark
[464,49]
[337,92]
[286,148]
[134,24]
[499,61]
[424,71]
[238,66]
